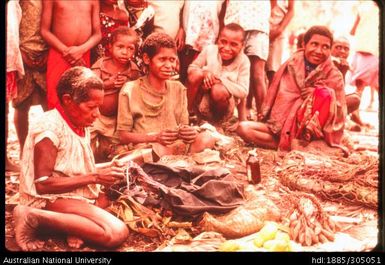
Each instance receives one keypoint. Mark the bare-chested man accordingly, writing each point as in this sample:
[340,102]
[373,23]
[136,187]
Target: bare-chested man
[71,28]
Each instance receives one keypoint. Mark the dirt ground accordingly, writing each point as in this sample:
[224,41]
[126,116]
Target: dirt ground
[138,242]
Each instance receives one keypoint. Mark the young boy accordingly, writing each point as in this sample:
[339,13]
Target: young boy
[71,28]
[153,109]
[219,76]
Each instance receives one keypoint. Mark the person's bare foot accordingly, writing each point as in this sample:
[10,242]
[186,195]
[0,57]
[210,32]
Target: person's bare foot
[26,223]
[74,242]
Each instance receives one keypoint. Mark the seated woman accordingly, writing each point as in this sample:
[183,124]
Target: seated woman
[306,99]
[59,182]
[153,109]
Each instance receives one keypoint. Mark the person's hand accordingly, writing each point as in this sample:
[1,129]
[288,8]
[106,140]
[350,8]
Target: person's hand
[110,174]
[120,80]
[307,91]
[209,80]
[38,62]
[115,81]
[187,134]
[167,137]
[179,39]
[73,54]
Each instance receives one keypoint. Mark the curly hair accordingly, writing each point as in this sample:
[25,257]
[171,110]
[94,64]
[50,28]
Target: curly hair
[126,31]
[76,82]
[320,30]
[155,41]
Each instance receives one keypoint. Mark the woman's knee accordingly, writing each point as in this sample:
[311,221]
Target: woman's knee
[116,235]
[203,140]
[243,129]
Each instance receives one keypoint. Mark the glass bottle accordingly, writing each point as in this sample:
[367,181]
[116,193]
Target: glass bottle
[253,169]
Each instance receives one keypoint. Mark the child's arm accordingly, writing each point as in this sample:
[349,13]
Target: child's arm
[240,88]
[180,36]
[285,21]
[45,29]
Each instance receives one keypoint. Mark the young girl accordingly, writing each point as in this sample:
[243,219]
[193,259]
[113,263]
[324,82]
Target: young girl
[114,72]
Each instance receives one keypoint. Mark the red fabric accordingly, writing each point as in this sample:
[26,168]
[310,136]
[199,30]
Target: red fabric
[11,86]
[56,66]
[321,103]
[322,99]
[77,130]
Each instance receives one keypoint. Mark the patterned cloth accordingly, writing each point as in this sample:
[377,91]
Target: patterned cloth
[35,49]
[14,60]
[290,89]
[74,156]
[107,26]
[250,15]
[201,23]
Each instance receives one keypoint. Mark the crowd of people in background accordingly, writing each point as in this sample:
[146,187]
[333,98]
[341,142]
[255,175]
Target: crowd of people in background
[126,74]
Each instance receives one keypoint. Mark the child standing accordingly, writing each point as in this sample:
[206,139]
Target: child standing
[219,77]
[71,28]
[114,72]
[153,109]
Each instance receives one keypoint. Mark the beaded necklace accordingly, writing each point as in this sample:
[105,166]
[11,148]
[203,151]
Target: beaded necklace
[153,108]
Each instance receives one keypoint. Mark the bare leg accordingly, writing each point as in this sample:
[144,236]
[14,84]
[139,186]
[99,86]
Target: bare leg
[73,217]
[257,133]
[220,97]
[195,79]
[9,165]
[370,107]
[270,76]
[258,84]
[21,122]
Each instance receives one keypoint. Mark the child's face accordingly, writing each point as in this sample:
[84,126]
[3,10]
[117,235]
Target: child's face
[341,49]
[230,44]
[163,64]
[123,49]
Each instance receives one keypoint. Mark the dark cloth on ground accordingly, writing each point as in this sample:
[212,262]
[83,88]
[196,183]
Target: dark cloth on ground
[192,191]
